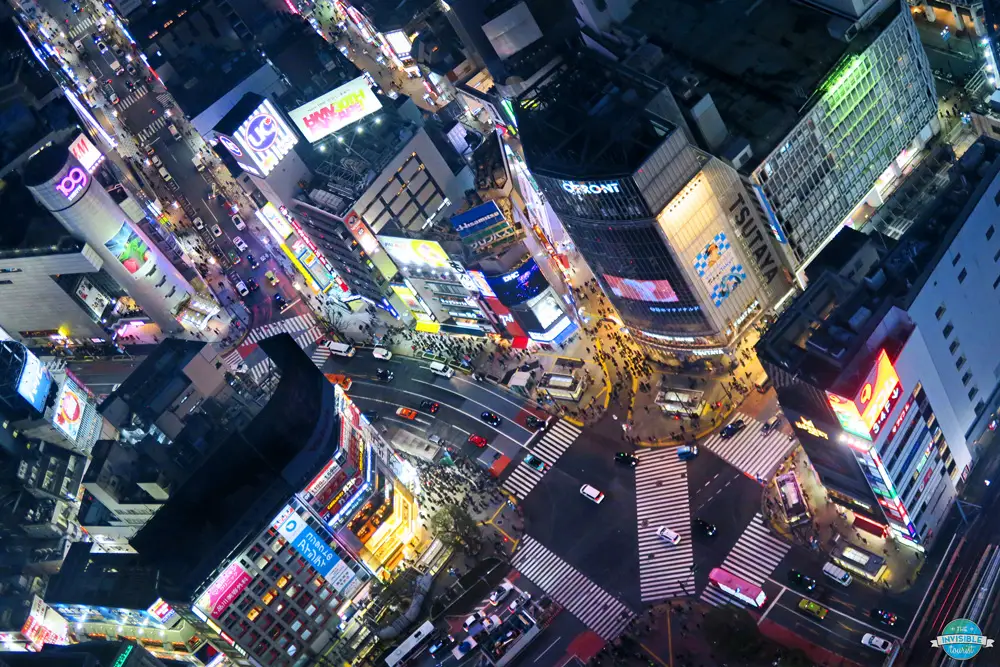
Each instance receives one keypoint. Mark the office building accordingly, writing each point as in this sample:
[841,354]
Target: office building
[123,653]
[888,377]
[676,242]
[26,622]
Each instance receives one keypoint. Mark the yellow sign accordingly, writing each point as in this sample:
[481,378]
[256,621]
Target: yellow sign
[807,425]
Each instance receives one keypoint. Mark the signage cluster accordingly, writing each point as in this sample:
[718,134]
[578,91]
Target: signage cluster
[483,226]
[263,139]
[865,415]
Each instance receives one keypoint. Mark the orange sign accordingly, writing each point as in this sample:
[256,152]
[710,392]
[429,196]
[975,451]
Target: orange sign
[877,390]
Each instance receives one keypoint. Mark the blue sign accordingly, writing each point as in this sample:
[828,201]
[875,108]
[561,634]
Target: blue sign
[230,145]
[261,133]
[772,219]
[309,544]
[35,381]
[483,225]
[962,639]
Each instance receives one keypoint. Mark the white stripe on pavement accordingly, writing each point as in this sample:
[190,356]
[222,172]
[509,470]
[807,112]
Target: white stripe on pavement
[751,450]
[661,499]
[753,558]
[556,440]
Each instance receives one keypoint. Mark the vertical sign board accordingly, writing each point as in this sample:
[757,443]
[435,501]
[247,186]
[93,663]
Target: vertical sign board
[314,549]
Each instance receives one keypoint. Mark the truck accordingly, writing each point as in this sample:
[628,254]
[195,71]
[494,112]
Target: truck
[116,67]
[464,647]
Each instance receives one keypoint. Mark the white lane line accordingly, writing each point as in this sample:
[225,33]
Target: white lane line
[466,398]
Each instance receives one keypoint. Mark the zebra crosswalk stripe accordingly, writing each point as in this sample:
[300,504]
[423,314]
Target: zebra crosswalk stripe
[81,27]
[319,356]
[661,499]
[261,370]
[556,440]
[596,608]
[751,450]
[152,128]
[233,360]
[753,558]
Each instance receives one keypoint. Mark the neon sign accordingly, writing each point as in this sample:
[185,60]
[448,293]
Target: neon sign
[230,145]
[610,188]
[261,132]
[73,183]
[807,425]
[866,414]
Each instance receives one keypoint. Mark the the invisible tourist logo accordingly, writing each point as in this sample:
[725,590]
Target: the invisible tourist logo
[962,639]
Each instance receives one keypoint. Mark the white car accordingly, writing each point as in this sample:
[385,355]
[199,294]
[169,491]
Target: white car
[877,643]
[241,287]
[478,617]
[238,221]
[500,593]
[239,243]
[382,353]
[668,536]
[519,601]
[216,231]
[590,492]
[155,159]
[198,223]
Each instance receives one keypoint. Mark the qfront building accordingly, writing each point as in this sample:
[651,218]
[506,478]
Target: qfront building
[676,242]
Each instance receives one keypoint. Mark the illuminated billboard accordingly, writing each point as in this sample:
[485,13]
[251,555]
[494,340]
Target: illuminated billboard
[224,590]
[399,43]
[73,183]
[657,291]
[362,234]
[519,285]
[416,252]
[335,110]
[70,405]
[93,298]
[718,269]
[264,137]
[483,226]
[130,250]
[314,548]
[86,152]
[35,381]
[275,222]
[866,414]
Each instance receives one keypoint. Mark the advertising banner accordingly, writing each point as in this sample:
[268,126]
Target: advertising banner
[86,152]
[865,415]
[310,545]
[716,266]
[482,226]
[335,110]
[519,285]
[70,404]
[657,291]
[35,381]
[224,590]
[399,43]
[275,222]
[416,252]
[92,297]
[131,251]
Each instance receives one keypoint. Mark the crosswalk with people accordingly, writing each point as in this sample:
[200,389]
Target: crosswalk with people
[133,97]
[233,359]
[599,610]
[549,448]
[661,499]
[146,133]
[753,452]
[753,558]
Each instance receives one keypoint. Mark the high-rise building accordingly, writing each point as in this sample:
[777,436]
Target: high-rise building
[888,377]
[673,237]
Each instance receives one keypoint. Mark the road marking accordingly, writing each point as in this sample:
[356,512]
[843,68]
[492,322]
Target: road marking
[879,631]
[547,649]
[552,445]
[466,398]
[774,603]
[486,387]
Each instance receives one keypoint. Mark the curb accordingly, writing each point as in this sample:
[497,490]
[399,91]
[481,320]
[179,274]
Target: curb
[697,436]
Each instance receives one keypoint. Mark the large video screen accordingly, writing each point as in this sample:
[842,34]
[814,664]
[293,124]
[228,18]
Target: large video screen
[516,287]
[130,250]
[658,291]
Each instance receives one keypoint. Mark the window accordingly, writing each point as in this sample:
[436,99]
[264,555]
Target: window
[996,282]
[989,233]
[973,392]
[254,613]
[939,313]
[966,378]
[953,346]
[962,275]
[980,406]
[996,256]
[956,259]
[960,362]
[948,328]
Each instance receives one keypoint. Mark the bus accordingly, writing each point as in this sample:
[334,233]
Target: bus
[404,650]
[738,588]
[339,378]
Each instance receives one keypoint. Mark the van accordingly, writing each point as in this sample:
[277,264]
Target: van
[440,369]
[173,132]
[165,175]
[339,349]
[770,424]
[839,575]
[762,382]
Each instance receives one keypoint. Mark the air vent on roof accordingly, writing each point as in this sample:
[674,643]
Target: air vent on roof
[859,318]
[875,280]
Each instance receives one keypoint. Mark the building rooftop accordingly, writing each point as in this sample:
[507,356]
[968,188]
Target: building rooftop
[763,69]
[820,335]
[587,119]
[205,72]
[27,229]
[20,71]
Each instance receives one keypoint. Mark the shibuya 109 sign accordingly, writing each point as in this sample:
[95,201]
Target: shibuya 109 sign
[73,183]
[606,188]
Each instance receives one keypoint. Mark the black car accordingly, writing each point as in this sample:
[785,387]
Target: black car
[534,422]
[370,415]
[883,616]
[491,418]
[707,529]
[253,262]
[627,459]
[252,285]
[130,68]
[430,406]
[732,428]
[383,375]
[801,580]
[280,300]
[75,7]
[129,84]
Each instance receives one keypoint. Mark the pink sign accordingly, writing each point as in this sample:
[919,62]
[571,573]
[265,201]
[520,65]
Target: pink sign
[224,590]
[73,183]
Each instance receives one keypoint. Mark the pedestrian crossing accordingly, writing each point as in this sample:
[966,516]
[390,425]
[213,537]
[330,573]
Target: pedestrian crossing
[260,371]
[291,325]
[80,28]
[164,99]
[132,98]
[753,452]
[151,129]
[661,499]
[233,360]
[753,558]
[555,441]
[596,608]
[319,356]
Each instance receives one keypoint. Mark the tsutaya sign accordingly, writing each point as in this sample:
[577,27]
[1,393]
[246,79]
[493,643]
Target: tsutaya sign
[608,188]
[745,221]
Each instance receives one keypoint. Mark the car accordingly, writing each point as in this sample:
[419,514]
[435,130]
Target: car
[707,529]
[771,424]
[626,459]
[519,601]
[238,221]
[440,641]
[130,68]
[813,609]
[271,278]
[75,7]
[233,257]
[732,428]
[884,617]
[381,353]
[801,580]
[668,535]
[129,84]
[118,51]
[102,47]
[96,37]
[501,592]
[877,643]
[216,231]
[587,491]
[370,415]
[491,418]
[477,617]
[406,413]
[534,422]
[253,262]
[241,287]
[383,375]
[280,300]
[430,406]
[157,162]
[687,452]
[252,284]
[240,244]
[533,461]
[198,223]
[477,440]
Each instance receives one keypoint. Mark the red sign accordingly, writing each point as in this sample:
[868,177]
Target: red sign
[224,590]
[880,387]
